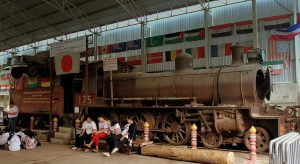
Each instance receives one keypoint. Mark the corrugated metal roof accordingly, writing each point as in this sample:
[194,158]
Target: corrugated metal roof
[23,22]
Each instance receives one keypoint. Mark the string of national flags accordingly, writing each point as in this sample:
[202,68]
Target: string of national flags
[217,50]
[244,27]
[223,30]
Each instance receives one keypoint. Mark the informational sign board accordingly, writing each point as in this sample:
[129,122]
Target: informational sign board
[37,100]
[76,109]
[110,64]
[68,47]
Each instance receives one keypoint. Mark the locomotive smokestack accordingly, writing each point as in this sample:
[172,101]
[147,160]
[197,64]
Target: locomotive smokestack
[237,55]
[183,61]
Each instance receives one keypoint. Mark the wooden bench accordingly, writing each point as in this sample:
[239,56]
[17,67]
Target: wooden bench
[102,142]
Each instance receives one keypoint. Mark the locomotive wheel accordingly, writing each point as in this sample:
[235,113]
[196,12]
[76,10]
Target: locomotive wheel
[32,70]
[211,139]
[177,133]
[141,117]
[262,139]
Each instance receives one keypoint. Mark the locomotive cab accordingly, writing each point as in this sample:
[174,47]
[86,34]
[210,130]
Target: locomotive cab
[90,90]
[98,91]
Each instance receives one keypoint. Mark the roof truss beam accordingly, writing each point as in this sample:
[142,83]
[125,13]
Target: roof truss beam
[70,10]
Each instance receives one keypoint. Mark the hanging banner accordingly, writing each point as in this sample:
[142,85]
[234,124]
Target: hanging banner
[68,46]
[68,63]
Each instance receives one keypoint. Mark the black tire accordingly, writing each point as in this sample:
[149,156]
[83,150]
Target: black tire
[32,70]
[17,72]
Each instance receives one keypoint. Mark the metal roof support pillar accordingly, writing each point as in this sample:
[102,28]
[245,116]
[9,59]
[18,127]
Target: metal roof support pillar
[86,76]
[143,47]
[297,49]
[96,35]
[207,23]
[255,25]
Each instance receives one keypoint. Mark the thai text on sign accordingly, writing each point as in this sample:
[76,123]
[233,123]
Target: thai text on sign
[68,46]
[110,64]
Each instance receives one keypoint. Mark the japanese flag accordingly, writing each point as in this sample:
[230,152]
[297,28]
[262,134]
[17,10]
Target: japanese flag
[68,63]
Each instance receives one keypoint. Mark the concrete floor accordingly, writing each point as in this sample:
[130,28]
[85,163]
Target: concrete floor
[62,154]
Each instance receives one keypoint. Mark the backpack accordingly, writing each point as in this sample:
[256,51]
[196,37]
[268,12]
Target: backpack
[29,143]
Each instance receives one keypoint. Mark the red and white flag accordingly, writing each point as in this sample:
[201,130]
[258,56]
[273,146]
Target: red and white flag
[68,63]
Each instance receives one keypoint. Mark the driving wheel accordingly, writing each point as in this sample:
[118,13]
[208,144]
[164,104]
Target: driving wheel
[211,139]
[262,139]
[177,133]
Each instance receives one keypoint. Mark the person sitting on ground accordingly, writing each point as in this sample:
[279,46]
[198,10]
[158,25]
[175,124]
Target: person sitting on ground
[14,142]
[128,135]
[29,140]
[101,134]
[20,133]
[88,128]
[113,138]
[33,136]
[4,136]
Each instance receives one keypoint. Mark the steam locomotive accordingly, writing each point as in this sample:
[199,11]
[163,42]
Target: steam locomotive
[223,102]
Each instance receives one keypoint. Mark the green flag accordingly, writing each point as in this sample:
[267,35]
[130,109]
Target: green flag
[155,41]
[193,35]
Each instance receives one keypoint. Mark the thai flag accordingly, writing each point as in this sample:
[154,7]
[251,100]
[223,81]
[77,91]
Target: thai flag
[286,34]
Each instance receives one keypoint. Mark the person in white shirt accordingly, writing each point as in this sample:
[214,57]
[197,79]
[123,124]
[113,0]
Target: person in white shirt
[14,143]
[12,116]
[103,130]
[4,137]
[125,130]
[88,128]
[113,138]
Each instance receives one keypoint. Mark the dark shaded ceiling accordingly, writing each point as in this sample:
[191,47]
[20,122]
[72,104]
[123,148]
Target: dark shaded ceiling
[26,21]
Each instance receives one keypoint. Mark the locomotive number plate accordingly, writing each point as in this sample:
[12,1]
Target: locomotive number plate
[81,99]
